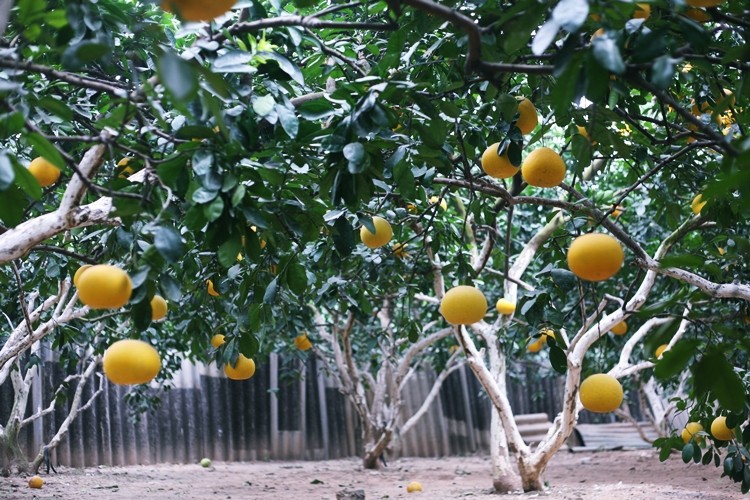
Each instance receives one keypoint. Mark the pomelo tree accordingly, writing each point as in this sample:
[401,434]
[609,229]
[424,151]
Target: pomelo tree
[244,148]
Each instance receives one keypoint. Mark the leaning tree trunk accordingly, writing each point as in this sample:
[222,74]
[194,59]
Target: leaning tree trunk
[13,458]
[375,444]
[504,477]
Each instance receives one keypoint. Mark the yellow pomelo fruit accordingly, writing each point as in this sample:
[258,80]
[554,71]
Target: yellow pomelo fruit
[704,3]
[414,486]
[535,346]
[242,370]
[697,204]
[595,256]
[505,306]
[262,241]
[698,15]
[158,308]
[104,287]
[43,171]
[130,361]
[543,168]
[660,350]
[690,432]
[217,340]
[443,202]
[211,290]
[382,235]
[642,11]
[125,170]
[527,116]
[197,10]
[547,333]
[597,34]
[719,429]
[601,393]
[497,166]
[399,250]
[582,131]
[36,482]
[620,328]
[463,305]
[79,272]
[302,343]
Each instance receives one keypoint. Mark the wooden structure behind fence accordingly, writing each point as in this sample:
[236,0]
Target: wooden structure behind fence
[287,411]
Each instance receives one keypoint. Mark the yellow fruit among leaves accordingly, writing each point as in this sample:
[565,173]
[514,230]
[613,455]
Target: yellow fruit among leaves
[527,116]
[463,305]
[505,306]
[720,431]
[158,308]
[43,171]
[382,235]
[547,333]
[217,340]
[302,343]
[495,165]
[535,346]
[79,272]
[620,328]
[242,370]
[414,487]
[197,10]
[660,350]
[443,202]
[399,250]
[601,393]
[704,3]
[131,361]
[642,11]
[691,431]
[595,256]
[697,204]
[211,290]
[104,287]
[36,482]
[543,168]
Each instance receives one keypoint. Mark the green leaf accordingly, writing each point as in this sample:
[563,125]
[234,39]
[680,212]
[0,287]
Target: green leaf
[571,14]
[664,453]
[714,374]
[12,206]
[355,153]
[687,453]
[26,181]
[169,244]
[263,105]
[177,76]
[248,345]
[228,252]
[343,236]
[558,359]
[288,120]
[269,297]
[213,210]
[607,53]
[286,66]
[662,71]
[296,278]
[46,149]
[6,171]
[676,359]
[140,313]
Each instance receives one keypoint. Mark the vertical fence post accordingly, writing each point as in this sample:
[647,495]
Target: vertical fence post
[274,387]
[321,383]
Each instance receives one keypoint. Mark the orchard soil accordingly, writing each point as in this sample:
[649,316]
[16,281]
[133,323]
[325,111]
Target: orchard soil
[607,475]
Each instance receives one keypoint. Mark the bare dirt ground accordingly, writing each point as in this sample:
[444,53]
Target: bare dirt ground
[612,475]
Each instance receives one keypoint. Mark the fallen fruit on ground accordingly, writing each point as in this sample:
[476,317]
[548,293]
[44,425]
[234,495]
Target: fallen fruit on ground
[36,482]
[242,370]
[463,305]
[104,287]
[601,393]
[158,308]
[197,10]
[697,204]
[206,462]
[382,235]
[690,432]
[414,486]
[620,328]
[130,362]
[302,343]
[719,429]
[495,165]
[43,171]
[217,340]
[505,306]
[543,168]
[595,257]
[527,116]
[211,290]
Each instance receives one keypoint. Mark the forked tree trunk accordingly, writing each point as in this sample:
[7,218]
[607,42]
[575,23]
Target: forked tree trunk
[504,478]
[13,458]
[375,445]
